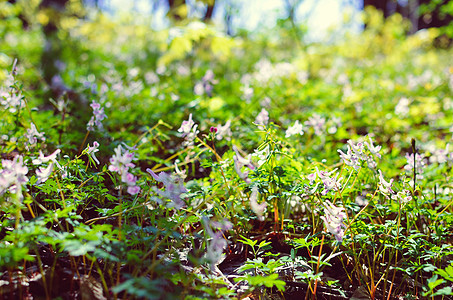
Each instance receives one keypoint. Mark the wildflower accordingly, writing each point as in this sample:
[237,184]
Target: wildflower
[402,108]
[224,131]
[311,177]
[357,153]
[419,164]
[216,243]
[98,116]
[120,162]
[206,84]
[330,183]
[12,101]
[333,219]
[258,209]
[297,128]
[262,155]
[45,159]
[33,135]
[441,155]
[91,150]
[189,131]
[10,97]
[12,175]
[317,122]
[262,119]
[44,173]
[384,186]
[404,197]
[186,126]
[350,158]
[374,150]
[240,162]
[173,188]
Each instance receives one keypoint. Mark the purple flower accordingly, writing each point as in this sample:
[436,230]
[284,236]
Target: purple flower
[173,188]
[350,158]
[317,122]
[120,162]
[216,243]
[98,116]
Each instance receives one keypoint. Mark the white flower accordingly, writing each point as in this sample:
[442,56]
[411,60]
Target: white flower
[189,130]
[224,131]
[12,175]
[92,150]
[333,219]
[384,186]
[240,162]
[45,159]
[258,209]
[297,128]
[374,150]
[402,108]
[262,119]
[419,164]
[33,135]
[44,173]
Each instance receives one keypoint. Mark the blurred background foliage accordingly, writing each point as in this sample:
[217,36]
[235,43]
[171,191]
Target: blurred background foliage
[74,51]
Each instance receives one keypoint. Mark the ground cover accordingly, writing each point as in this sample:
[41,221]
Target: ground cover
[187,164]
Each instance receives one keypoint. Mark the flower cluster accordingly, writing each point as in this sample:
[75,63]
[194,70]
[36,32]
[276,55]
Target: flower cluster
[239,162]
[43,173]
[33,135]
[91,150]
[11,98]
[333,219]
[297,128]
[224,132]
[317,122]
[217,242]
[262,119]
[173,188]
[357,153]
[206,84]
[12,176]
[385,186]
[441,156]
[121,162]
[419,164]
[330,183]
[189,131]
[98,116]
[403,196]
